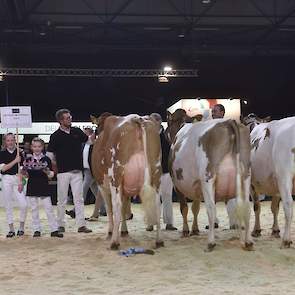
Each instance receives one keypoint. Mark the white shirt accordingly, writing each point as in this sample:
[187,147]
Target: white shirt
[86,155]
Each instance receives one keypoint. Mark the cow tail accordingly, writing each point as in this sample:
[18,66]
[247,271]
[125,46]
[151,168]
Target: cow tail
[242,207]
[148,193]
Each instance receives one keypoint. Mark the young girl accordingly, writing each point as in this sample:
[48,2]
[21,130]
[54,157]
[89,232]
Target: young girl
[12,184]
[39,170]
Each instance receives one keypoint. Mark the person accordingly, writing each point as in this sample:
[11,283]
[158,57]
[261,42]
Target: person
[12,185]
[89,181]
[218,111]
[39,169]
[65,145]
[166,186]
[27,147]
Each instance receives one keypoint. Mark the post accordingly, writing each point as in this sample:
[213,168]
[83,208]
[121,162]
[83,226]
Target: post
[17,154]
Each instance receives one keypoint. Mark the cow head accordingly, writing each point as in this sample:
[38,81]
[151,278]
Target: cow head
[253,120]
[99,121]
[175,122]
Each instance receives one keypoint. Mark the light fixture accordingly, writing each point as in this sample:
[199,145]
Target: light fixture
[1,77]
[206,1]
[167,69]
[163,79]
[245,101]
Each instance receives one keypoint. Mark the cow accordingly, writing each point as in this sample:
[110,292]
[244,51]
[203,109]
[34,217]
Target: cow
[126,161]
[211,160]
[273,169]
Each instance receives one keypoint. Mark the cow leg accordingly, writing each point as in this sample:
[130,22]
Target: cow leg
[209,195]
[124,230]
[275,206]
[117,207]
[184,212]
[247,215]
[195,210]
[159,241]
[257,208]
[285,188]
[108,203]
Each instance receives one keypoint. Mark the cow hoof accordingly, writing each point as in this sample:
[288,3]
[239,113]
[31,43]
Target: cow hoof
[159,244]
[249,246]
[286,244]
[115,246]
[185,234]
[276,233]
[210,247]
[195,233]
[256,233]
[124,233]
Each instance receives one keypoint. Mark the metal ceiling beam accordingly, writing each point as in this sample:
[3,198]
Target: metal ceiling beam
[32,9]
[120,10]
[119,73]
[179,12]
[260,10]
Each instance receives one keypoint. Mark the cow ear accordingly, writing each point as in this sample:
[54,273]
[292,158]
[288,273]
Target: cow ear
[93,119]
[266,119]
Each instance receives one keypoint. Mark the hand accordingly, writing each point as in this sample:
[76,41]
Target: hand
[20,187]
[17,159]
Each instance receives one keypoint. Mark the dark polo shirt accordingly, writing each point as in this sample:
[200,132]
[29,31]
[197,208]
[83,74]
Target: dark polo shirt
[67,148]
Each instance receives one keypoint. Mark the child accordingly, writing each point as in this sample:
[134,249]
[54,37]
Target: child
[12,184]
[39,170]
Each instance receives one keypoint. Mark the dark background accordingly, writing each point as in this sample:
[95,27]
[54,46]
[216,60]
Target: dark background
[242,49]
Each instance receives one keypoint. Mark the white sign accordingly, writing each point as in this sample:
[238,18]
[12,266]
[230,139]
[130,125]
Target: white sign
[15,117]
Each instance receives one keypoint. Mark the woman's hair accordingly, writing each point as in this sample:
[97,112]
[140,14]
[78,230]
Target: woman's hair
[8,134]
[38,139]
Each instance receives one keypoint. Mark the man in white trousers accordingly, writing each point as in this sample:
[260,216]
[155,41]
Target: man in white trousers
[65,146]
[166,186]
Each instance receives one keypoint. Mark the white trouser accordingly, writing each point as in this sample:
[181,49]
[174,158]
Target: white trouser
[75,179]
[47,205]
[166,188]
[10,190]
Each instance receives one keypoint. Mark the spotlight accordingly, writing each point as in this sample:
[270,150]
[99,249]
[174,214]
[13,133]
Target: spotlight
[167,68]
[163,79]
[1,77]
[245,101]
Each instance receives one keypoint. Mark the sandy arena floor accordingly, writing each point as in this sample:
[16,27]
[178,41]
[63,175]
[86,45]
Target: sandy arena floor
[82,264]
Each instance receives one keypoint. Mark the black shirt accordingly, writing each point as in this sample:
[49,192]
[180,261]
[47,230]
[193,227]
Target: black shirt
[38,185]
[67,148]
[5,158]
[165,151]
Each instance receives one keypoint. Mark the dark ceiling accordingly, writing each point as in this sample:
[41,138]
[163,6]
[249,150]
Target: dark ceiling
[242,48]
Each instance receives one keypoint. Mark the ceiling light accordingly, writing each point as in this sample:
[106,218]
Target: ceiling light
[167,69]
[163,79]
[245,101]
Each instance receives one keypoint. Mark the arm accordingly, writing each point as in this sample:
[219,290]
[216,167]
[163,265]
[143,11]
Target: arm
[83,137]
[49,169]
[51,150]
[11,164]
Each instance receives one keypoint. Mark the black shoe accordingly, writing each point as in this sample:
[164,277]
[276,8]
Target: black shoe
[37,234]
[56,234]
[71,213]
[170,227]
[215,226]
[84,229]
[11,234]
[20,233]
[61,229]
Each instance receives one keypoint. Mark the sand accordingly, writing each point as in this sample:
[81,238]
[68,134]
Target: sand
[82,264]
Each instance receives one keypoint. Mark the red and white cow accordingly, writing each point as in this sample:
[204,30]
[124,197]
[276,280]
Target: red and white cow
[211,159]
[273,169]
[126,161]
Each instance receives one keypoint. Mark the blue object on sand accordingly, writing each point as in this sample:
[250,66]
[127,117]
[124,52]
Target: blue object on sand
[134,251]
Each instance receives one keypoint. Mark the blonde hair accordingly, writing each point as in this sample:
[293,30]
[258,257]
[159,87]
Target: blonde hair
[38,139]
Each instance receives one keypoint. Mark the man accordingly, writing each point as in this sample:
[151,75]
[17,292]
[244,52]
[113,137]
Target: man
[88,181]
[66,145]
[166,185]
[218,111]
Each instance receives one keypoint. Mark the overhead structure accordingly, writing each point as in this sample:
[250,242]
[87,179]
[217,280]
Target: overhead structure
[200,27]
[120,73]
